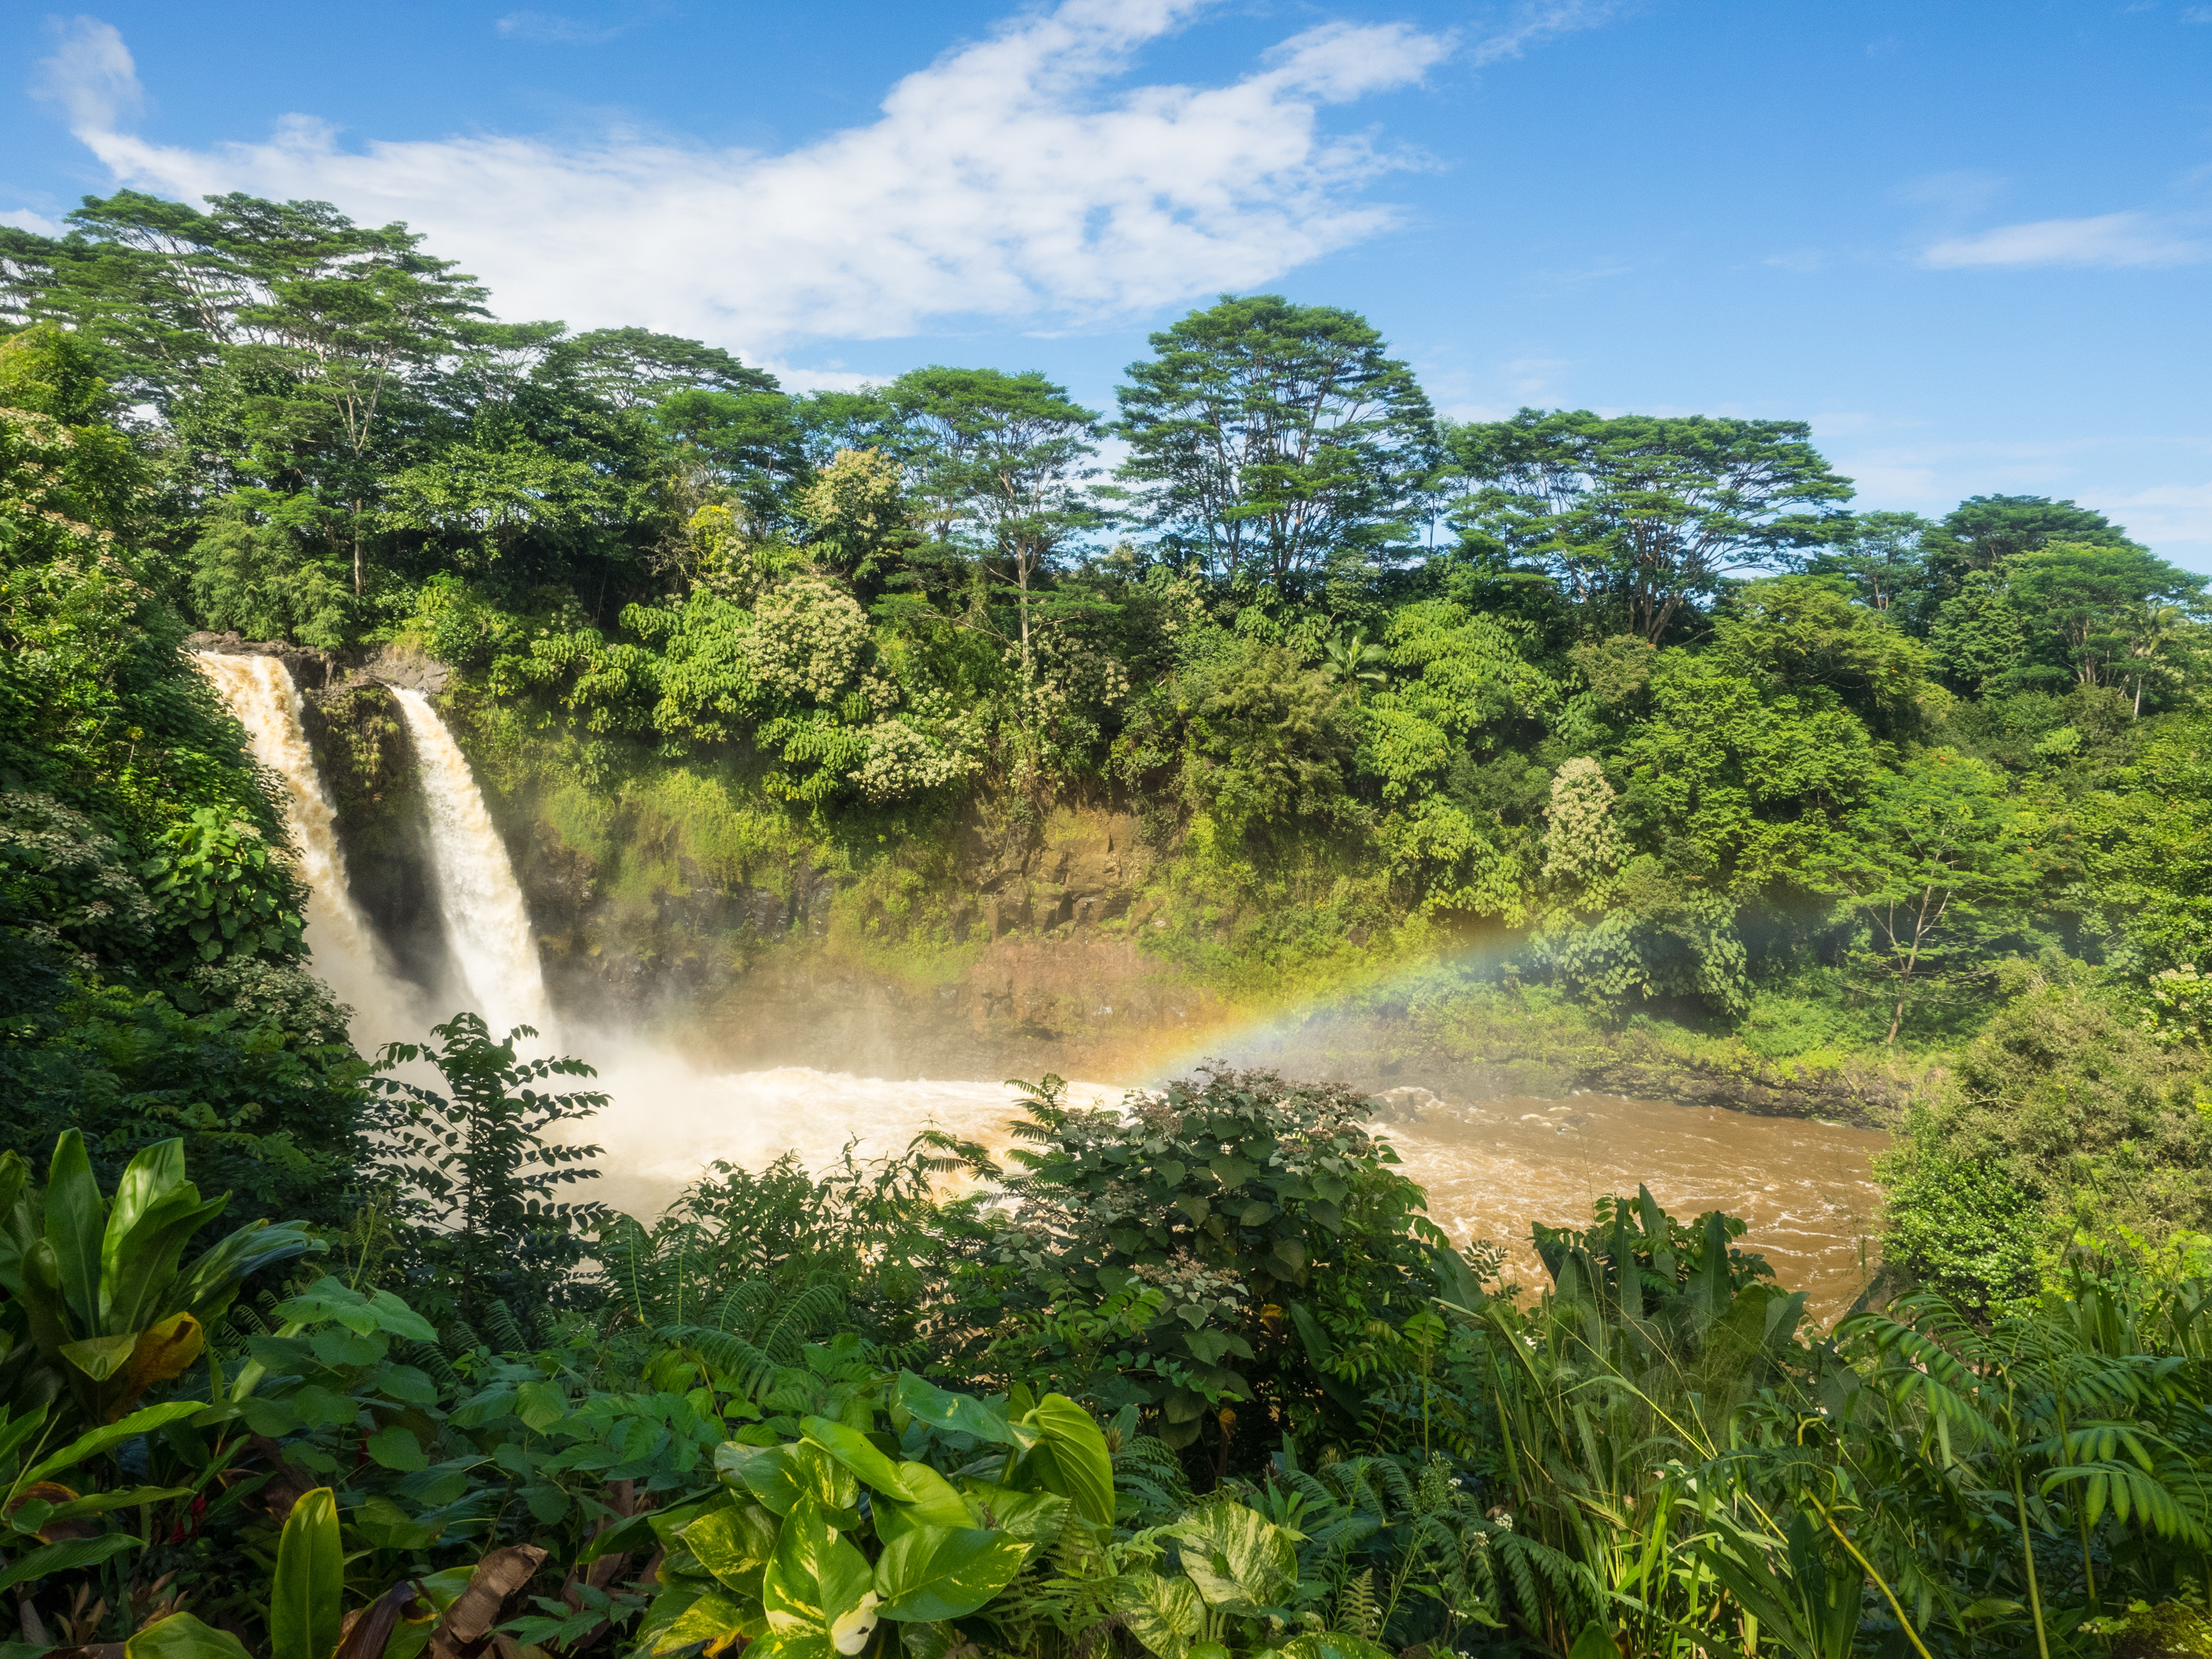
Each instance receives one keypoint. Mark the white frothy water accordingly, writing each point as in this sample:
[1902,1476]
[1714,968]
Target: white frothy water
[341,945]
[665,1123]
[488,928]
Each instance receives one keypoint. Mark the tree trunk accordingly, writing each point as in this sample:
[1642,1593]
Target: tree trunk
[356,547]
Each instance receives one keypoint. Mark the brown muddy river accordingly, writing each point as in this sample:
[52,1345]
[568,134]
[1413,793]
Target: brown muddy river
[1807,1188]
[1491,1167]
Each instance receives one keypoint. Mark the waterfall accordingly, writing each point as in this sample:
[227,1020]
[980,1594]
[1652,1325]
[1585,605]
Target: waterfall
[341,945]
[487,925]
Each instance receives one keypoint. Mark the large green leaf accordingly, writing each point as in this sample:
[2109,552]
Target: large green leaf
[935,1503]
[719,1621]
[306,1598]
[959,1413]
[781,1476]
[77,1220]
[1238,1558]
[945,1572]
[858,1454]
[99,1440]
[65,1557]
[815,1577]
[137,1266]
[1085,1468]
[152,1176]
[181,1636]
[100,1357]
[1034,1517]
[735,1544]
[333,1299]
[1164,1614]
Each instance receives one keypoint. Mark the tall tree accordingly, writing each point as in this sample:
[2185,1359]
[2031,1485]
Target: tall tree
[1275,443]
[2088,601]
[1983,531]
[283,342]
[1934,860]
[1884,557]
[1000,462]
[1639,515]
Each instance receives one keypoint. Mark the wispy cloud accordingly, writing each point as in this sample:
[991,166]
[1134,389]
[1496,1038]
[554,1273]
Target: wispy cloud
[25,219]
[1002,182]
[2110,239]
[553,28]
[90,74]
[1534,22]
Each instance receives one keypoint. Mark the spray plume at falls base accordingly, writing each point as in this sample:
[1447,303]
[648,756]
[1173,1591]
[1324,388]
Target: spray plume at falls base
[487,923]
[342,947]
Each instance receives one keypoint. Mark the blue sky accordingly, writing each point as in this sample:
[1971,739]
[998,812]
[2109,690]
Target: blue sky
[1970,242]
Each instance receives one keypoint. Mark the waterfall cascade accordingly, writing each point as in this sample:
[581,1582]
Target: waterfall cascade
[487,924]
[259,691]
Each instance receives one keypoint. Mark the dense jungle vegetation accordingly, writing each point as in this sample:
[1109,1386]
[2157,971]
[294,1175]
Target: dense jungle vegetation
[1644,705]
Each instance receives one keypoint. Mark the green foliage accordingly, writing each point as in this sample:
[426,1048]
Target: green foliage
[2063,1114]
[1273,445]
[272,566]
[1640,516]
[1236,1245]
[101,1301]
[473,1179]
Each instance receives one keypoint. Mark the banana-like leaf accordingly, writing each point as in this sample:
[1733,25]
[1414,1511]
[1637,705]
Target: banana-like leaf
[209,1286]
[65,1557]
[130,1497]
[77,1220]
[307,1599]
[181,1636]
[112,1434]
[945,1572]
[138,1261]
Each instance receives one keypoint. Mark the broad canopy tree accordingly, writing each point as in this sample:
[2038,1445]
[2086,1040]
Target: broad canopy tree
[1000,462]
[1639,516]
[1274,445]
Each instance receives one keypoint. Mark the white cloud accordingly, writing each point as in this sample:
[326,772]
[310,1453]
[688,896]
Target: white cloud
[1534,22]
[1001,181]
[2175,517]
[2111,239]
[24,219]
[553,28]
[90,74]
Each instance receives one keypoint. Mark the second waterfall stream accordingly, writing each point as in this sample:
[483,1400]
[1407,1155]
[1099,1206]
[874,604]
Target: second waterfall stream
[487,923]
